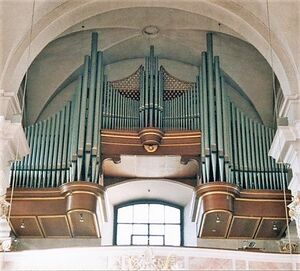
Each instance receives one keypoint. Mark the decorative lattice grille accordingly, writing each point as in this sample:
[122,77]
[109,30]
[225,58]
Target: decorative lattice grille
[129,86]
[174,87]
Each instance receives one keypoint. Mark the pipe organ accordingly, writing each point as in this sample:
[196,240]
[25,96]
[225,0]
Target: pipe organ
[66,147]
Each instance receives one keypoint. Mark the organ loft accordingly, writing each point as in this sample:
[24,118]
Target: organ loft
[149,135]
[210,142]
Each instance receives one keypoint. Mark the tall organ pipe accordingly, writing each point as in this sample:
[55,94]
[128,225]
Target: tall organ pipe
[235,152]
[98,118]
[211,97]
[60,146]
[206,115]
[82,119]
[161,95]
[76,110]
[244,151]
[253,156]
[240,154]
[261,156]
[38,153]
[219,118]
[91,105]
[226,138]
[66,144]
[248,153]
[201,123]
[55,154]
[142,99]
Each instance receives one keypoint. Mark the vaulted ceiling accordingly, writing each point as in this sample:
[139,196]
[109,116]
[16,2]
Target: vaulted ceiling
[181,38]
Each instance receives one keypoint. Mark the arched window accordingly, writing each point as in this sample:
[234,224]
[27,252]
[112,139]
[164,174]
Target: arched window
[148,223]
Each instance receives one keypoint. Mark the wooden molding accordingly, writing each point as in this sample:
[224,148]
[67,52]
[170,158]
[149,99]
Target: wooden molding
[150,141]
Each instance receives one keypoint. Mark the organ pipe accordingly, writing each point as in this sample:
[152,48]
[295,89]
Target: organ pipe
[219,120]
[205,111]
[211,106]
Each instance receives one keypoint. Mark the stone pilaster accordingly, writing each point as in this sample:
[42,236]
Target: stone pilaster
[295,212]
[13,145]
[5,241]
[286,148]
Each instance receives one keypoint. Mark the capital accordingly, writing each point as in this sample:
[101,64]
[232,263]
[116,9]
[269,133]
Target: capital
[294,211]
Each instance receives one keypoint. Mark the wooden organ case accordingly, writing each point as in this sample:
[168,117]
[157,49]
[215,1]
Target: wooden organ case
[58,188]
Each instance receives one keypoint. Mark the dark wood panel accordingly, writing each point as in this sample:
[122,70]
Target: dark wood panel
[243,227]
[271,228]
[215,224]
[55,226]
[83,224]
[260,207]
[26,226]
[38,206]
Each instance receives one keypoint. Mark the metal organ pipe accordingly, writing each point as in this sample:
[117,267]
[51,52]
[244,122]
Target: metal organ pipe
[219,110]
[234,146]
[205,112]
[66,145]
[226,134]
[142,99]
[253,156]
[38,149]
[244,151]
[248,153]
[82,120]
[201,123]
[211,105]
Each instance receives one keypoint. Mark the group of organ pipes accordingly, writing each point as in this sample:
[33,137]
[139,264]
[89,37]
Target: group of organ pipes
[66,147]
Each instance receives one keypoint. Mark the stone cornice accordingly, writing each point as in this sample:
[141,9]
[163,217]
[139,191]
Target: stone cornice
[285,143]
[286,148]
[291,108]
[13,143]
[9,104]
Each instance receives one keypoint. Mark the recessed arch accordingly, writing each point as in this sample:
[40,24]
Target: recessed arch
[228,13]
[159,189]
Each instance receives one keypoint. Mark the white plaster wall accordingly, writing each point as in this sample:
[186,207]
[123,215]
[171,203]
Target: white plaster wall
[58,102]
[122,258]
[190,231]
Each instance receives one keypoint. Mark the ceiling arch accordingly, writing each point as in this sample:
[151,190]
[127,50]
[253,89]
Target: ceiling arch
[180,39]
[229,13]
[40,107]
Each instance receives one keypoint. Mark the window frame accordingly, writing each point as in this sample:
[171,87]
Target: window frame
[146,201]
